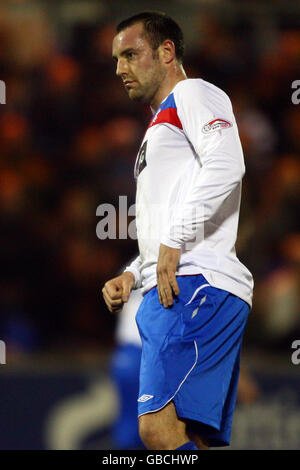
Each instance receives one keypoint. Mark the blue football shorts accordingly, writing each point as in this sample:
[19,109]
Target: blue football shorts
[191,355]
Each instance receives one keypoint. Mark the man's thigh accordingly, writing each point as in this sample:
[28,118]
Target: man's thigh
[166,423]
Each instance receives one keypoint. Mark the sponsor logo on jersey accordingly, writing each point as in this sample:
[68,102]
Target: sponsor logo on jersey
[145,398]
[216,125]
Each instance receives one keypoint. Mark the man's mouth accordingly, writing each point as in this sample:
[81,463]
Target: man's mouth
[128,83]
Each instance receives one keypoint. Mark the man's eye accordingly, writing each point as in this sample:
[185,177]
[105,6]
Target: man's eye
[130,55]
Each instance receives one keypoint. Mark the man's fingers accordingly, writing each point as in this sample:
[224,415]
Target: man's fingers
[165,289]
[112,290]
[159,296]
[173,283]
[116,291]
[163,296]
[113,300]
[112,304]
[126,292]
[108,304]
[167,286]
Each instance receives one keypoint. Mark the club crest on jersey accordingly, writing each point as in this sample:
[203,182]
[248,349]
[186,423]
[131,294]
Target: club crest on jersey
[215,125]
[141,161]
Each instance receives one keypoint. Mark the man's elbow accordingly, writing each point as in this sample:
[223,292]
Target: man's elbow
[242,170]
[238,171]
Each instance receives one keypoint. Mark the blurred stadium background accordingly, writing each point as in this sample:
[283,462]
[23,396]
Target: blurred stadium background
[68,139]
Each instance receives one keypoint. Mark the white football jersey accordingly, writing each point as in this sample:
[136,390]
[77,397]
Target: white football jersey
[127,330]
[189,172]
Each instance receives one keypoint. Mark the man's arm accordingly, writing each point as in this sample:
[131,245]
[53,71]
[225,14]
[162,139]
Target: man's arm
[222,168]
[221,159]
[117,290]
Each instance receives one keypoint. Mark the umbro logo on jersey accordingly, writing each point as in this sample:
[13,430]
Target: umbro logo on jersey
[215,125]
[145,398]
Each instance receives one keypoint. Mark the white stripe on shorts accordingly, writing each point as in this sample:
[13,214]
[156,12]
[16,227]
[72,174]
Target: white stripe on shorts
[196,292]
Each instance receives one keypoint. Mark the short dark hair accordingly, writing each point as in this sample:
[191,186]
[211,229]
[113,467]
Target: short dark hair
[158,27]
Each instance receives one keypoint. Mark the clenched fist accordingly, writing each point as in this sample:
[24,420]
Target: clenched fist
[117,291]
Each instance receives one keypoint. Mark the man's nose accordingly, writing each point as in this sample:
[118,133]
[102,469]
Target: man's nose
[121,67]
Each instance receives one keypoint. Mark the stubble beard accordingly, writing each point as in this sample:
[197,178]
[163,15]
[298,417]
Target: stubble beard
[147,92]
[137,95]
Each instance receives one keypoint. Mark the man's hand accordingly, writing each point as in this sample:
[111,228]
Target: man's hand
[168,259]
[117,291]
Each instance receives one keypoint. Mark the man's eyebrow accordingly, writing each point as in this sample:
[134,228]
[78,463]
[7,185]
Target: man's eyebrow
[126,51]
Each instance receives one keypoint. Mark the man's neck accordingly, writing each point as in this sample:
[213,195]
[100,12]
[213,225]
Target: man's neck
[167,87]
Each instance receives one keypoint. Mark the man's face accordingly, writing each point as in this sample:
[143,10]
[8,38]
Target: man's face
[138,66]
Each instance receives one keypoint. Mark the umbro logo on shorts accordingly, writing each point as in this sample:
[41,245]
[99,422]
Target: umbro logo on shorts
[145,398]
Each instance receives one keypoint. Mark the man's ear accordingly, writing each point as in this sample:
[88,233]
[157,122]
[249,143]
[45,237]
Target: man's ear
[167,51]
